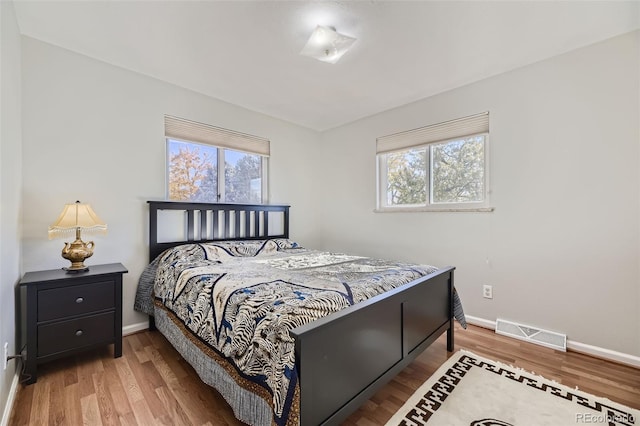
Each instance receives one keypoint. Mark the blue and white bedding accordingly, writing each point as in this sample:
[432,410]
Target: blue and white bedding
[240,299]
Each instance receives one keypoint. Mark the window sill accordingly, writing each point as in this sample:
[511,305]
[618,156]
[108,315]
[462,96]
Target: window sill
[433,209]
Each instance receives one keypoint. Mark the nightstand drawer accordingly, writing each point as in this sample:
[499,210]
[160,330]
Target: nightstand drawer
[75,300]
[73,334]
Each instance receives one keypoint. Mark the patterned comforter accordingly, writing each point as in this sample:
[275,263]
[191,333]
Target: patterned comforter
[242,298]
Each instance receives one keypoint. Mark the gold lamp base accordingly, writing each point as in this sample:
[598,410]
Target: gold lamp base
[77,252]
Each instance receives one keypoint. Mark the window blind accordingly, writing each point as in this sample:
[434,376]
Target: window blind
[460,127]
[183,129]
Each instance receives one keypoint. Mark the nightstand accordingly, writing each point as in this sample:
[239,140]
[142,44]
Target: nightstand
[65,313]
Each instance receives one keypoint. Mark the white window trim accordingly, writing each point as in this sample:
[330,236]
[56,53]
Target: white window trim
[430,209]
[381,181]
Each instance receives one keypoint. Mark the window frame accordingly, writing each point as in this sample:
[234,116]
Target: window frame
[427,206]
[220,169]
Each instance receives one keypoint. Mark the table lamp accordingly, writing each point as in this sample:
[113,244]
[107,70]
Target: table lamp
[77,217]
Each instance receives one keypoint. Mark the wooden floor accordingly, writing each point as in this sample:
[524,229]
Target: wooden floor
[151,383]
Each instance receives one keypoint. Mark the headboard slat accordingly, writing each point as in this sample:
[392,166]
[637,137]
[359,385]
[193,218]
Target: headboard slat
[258,226]
[247,224]
[190,225]
[256,222]
[216,224]
[203,224]
[266,223]
[236,233]
[227,223]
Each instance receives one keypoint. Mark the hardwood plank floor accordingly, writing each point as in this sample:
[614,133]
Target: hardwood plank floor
[151,384]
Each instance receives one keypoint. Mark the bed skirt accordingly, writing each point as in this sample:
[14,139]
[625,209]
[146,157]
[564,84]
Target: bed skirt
[248,407]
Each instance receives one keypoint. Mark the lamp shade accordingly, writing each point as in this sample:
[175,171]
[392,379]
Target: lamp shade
[77,216]
[327,45]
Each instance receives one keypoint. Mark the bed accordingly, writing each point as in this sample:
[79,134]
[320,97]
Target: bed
[286,334]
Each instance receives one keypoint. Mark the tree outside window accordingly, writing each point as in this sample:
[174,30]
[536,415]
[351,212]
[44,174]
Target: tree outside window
[194,174]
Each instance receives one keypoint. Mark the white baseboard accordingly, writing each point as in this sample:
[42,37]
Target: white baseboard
[6,414]
[574,346]
[481,322]
[604,353]
[134,328]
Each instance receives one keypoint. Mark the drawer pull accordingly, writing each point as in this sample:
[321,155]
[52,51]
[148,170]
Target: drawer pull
[79,333]
[79,300]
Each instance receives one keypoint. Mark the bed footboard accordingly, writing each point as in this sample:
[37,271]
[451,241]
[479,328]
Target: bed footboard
[344,358]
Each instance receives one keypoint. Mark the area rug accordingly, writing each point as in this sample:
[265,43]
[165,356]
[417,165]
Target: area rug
[475,391]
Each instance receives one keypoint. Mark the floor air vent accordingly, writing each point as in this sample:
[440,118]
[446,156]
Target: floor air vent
[532,334]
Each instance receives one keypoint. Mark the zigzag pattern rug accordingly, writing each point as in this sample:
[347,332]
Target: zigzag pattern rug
[475,391]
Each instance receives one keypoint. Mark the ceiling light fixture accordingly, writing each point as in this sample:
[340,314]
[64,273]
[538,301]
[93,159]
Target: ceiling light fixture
[327,45]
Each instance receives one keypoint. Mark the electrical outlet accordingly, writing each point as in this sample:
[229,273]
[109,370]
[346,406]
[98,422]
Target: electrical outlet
[6,355]
[487,291]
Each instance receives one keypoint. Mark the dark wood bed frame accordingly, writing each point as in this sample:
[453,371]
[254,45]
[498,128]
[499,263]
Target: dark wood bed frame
[344,358]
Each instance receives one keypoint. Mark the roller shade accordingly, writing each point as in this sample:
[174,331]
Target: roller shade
[183,129]
[461,127]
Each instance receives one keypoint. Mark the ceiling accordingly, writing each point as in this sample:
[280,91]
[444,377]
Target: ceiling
[247,52]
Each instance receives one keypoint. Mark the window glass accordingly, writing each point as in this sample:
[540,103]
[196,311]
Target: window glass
[457,171]
[243,177]
[193,171]
[205,173]
[406,177]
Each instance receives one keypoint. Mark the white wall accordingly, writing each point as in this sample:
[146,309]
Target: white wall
[95,132]
[561,248]
[10,181]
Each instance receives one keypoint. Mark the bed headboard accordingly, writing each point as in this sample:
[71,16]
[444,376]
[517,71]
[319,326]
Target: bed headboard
[217,222]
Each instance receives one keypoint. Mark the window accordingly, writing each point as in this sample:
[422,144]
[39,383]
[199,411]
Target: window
[209,164]
[439,167]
